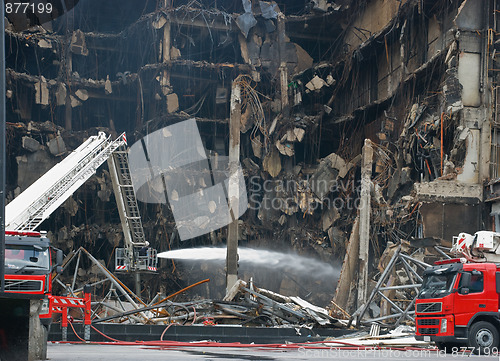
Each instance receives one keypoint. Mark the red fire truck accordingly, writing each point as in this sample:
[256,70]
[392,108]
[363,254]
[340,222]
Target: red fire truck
[458,304]
[28,255]
[28,267]
[28,270]
[28,259]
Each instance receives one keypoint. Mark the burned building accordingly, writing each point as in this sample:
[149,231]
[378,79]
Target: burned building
[303,84]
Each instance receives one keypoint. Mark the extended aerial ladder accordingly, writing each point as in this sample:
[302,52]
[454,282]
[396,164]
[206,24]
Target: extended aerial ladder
[28,210]
[136,255]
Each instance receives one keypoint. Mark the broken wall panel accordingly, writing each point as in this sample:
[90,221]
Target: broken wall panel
[389,70]
[371,19]
[469,75]
[446,220]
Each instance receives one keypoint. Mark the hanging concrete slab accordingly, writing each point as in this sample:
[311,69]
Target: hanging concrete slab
[272,163]
[30,144]
[41,92]
[57,146]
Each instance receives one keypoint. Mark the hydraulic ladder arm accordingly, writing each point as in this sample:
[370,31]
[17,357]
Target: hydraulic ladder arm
[28,210]
[129,258]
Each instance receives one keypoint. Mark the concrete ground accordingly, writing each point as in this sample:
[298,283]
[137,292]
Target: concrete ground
[97,352]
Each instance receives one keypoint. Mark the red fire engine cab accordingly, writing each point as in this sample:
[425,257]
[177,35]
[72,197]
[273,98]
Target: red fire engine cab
[458,304]
[28,267]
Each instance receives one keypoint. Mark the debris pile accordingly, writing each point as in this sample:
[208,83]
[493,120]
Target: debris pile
[244,305]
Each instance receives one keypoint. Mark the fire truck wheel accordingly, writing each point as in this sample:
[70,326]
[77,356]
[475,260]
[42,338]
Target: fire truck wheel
[483,338]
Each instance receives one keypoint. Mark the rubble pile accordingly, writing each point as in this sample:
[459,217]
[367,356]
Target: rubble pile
[242,306]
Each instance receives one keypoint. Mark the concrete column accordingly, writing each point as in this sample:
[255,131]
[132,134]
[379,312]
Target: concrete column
[68,117]
[171,98]
[137,279]
[285,109]
[364,221]
[472,18]
[165,56]
[233,191]
[485,151]
[165,45]
[38,334]
[470,172]
[284,90]
[349,268]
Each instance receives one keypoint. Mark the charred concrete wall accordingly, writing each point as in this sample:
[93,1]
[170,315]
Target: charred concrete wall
[316,80]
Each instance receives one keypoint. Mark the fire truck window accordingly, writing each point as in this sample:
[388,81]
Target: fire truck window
[14,254]
[476,283]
